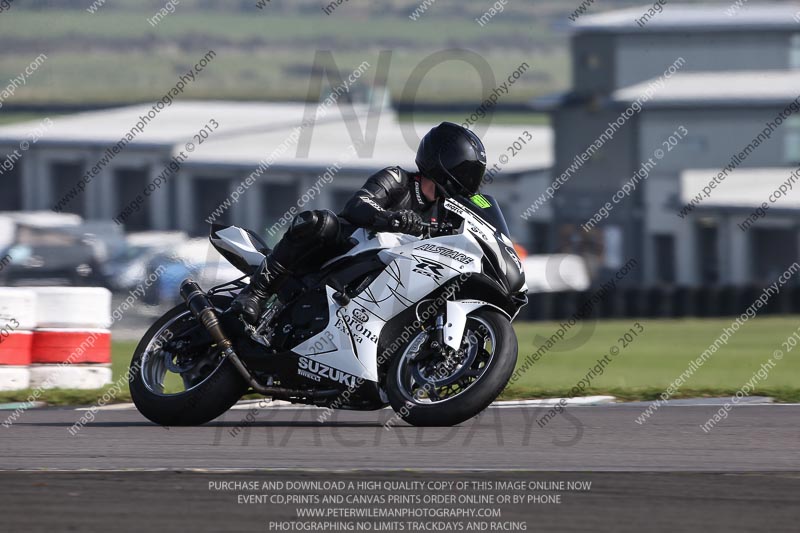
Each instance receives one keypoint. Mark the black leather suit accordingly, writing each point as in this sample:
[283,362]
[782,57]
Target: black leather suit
[316,236]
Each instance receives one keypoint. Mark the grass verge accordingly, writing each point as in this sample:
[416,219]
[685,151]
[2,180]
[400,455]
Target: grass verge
[641,371]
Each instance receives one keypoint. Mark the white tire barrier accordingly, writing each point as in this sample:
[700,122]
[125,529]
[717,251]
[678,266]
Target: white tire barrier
[69,346]
[70,376]
[73,307]
[14,378]
[18,306]
[17,319]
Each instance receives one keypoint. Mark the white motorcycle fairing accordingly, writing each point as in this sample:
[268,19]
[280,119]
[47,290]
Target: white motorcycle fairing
[456,319]
[414,270]
[239,246]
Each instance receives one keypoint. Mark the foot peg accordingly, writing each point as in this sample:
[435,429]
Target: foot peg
[341,298]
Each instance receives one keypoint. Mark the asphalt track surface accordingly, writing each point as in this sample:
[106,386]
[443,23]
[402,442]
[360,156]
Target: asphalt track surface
[124,473]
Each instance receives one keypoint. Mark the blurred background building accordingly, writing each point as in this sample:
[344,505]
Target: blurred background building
[247,135]
[733,75]
[718,73]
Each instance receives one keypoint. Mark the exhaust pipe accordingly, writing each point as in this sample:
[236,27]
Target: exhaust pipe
[201,308]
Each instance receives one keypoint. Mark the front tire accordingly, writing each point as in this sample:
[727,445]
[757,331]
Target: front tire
[489,373]
[214,389]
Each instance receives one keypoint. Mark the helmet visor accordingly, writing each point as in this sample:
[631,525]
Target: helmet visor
[467,174]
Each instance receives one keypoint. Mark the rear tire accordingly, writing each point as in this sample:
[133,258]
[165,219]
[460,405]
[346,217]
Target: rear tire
[217,393]
[476,397]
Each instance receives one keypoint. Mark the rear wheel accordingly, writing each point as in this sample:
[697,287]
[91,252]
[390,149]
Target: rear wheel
[182,387]
[446,388]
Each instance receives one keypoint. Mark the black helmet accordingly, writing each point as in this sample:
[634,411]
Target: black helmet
[453,157]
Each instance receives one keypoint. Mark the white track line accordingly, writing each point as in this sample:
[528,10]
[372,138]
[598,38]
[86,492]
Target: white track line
[584,401]
[261,404]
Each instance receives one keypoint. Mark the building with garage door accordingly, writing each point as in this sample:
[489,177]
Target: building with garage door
[244,163]
[656,113]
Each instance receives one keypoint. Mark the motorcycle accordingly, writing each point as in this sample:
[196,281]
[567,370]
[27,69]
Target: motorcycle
[419,323]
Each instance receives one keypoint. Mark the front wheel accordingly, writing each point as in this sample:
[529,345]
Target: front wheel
[175,386]
[437,389]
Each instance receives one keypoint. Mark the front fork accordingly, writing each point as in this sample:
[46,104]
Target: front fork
[449,329]
[456,320]
[438,334]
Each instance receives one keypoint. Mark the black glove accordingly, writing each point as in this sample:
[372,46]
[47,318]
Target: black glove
[406,221]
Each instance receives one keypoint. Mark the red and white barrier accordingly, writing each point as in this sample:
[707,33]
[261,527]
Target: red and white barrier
[73,307]
[72,346]
[17,320]
[69,376]
[14,377]
[15,358]
[57,338]
[15,349]
[18,305]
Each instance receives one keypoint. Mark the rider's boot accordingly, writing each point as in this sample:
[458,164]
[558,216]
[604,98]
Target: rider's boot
[266,280]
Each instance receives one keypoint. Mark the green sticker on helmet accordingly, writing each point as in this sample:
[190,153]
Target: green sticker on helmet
[481,201]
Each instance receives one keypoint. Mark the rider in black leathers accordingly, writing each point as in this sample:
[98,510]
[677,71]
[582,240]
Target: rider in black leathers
[450,159]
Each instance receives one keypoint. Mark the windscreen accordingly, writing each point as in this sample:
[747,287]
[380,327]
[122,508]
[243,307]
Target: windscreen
[486,207]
